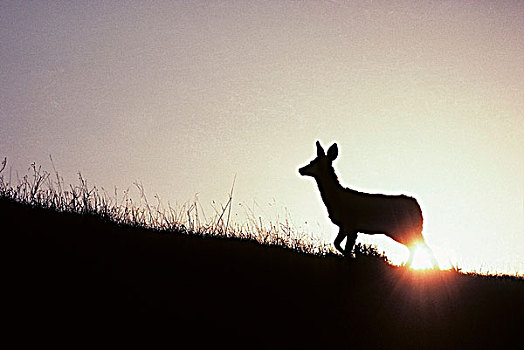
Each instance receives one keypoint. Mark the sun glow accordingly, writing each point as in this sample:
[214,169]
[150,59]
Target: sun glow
[423,259]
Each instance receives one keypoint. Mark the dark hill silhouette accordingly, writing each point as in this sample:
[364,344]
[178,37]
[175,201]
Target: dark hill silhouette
[74,279]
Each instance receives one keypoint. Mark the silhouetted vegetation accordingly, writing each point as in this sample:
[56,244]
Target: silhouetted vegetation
[85,268]
[43,189]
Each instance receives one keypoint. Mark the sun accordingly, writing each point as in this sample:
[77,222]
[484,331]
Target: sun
[423,259]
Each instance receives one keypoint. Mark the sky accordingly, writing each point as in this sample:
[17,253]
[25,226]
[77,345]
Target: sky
[423,98]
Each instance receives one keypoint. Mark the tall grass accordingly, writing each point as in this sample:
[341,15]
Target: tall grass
[43,189]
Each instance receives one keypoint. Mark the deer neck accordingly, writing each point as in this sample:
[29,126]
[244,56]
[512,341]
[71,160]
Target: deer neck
[329,187]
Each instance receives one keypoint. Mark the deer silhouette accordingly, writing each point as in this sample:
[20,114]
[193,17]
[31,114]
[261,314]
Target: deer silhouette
[396,216]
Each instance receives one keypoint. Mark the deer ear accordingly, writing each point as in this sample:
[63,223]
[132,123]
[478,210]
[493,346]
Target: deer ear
[332,152]
[320,150]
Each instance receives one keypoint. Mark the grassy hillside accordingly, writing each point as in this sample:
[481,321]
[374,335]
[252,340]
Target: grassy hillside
[73,279]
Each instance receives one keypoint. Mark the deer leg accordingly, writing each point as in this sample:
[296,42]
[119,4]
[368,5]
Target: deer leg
[411,255]
[338,240]
[434,262]
[350,242]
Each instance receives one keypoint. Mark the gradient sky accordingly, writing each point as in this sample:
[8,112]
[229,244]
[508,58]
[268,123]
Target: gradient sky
[424,98]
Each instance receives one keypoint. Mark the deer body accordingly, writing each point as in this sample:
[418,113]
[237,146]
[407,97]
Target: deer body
[396,216]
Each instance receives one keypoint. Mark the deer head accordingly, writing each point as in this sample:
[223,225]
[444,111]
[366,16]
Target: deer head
[321,165]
